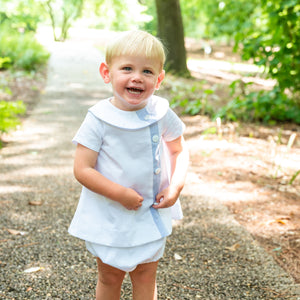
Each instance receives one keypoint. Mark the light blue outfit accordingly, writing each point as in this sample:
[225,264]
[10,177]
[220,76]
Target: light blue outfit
[131,152]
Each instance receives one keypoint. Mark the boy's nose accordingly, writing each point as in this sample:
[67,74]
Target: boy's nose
[137,77]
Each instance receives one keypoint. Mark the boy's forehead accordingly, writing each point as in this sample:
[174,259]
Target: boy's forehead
[137,59]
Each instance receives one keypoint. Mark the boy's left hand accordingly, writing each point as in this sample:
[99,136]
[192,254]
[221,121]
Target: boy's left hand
[166,198]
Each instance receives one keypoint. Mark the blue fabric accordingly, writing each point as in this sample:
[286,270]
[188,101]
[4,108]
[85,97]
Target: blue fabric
[154,130]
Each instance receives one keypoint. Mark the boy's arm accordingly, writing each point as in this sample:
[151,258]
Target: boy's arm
[85,173]
[179,159]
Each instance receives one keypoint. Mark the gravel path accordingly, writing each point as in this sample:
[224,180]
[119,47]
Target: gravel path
[209,255]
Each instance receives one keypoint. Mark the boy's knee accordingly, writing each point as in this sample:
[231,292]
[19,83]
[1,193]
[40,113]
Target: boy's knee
[108,275]
[111,279]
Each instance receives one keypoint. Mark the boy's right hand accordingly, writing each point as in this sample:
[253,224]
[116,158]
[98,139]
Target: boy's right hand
[131,199]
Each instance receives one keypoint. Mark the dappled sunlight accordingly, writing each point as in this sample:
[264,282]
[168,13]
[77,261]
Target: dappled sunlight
[216,189]
[29,171]
[229,71]
[11,189]
[75,85]
[250,174]
[248,154]
[224,65]
[243,197]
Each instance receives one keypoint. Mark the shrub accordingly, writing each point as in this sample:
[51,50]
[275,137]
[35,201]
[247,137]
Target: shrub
[260,106]
[5,62]
[23,50]
[9,110]
[193,99]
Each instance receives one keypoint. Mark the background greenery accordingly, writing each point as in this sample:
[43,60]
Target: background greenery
[264,32]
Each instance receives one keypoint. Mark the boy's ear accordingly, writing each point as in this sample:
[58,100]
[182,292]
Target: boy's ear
[160,78]
[104,72]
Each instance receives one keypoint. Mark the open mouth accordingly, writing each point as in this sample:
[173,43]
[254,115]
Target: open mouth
[135,91]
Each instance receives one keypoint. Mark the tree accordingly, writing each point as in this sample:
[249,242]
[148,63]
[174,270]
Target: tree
[170,31]
[62,14]
[116,15]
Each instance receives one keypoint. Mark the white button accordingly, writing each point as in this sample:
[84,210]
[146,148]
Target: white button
[147,117]
[157,171]
[155,138]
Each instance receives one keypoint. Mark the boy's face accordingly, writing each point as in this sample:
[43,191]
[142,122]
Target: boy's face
[134,79]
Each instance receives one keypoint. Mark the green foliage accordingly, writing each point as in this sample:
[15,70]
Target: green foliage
[191,100]
[275,45]
[62,14]
[5,62]
[195,17]
[218,19]
[247,105]
[5,91]
[18,46]
[117,12]
[294,177]
[151,24]
[8,114]
[120,14]
[268,33]
[21,50]
[22,15]
[22,22]
[228,18]
[259,106]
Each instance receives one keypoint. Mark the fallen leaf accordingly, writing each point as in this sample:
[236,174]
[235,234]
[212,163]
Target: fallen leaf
[35,203]
[233,247]
[281,221]
[33,270]
[177,256]
[16,232]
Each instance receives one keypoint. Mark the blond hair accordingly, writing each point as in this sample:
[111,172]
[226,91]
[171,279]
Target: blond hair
[136,43]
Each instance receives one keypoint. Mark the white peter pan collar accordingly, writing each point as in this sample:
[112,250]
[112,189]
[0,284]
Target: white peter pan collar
[155,109]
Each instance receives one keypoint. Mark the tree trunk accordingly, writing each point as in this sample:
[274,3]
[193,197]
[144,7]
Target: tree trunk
[170,31]
[51,14]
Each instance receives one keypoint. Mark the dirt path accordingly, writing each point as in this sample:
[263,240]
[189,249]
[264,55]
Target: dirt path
[209,255]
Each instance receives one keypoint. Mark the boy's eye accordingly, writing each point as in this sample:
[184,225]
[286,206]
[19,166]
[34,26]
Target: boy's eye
[148,72]
[127,68]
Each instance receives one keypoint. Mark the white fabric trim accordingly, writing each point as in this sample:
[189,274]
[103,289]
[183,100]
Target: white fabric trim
[156,109]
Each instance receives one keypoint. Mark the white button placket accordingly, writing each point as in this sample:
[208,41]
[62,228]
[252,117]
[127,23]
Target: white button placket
[155,141]
[156,158]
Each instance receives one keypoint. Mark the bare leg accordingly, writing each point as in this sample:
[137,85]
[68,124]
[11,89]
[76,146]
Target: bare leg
[143,280]
[109,282]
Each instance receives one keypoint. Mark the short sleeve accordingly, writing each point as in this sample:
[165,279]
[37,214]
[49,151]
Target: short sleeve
[90,133]
[173,127]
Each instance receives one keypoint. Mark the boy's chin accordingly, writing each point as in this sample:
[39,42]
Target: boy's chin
[132,104]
